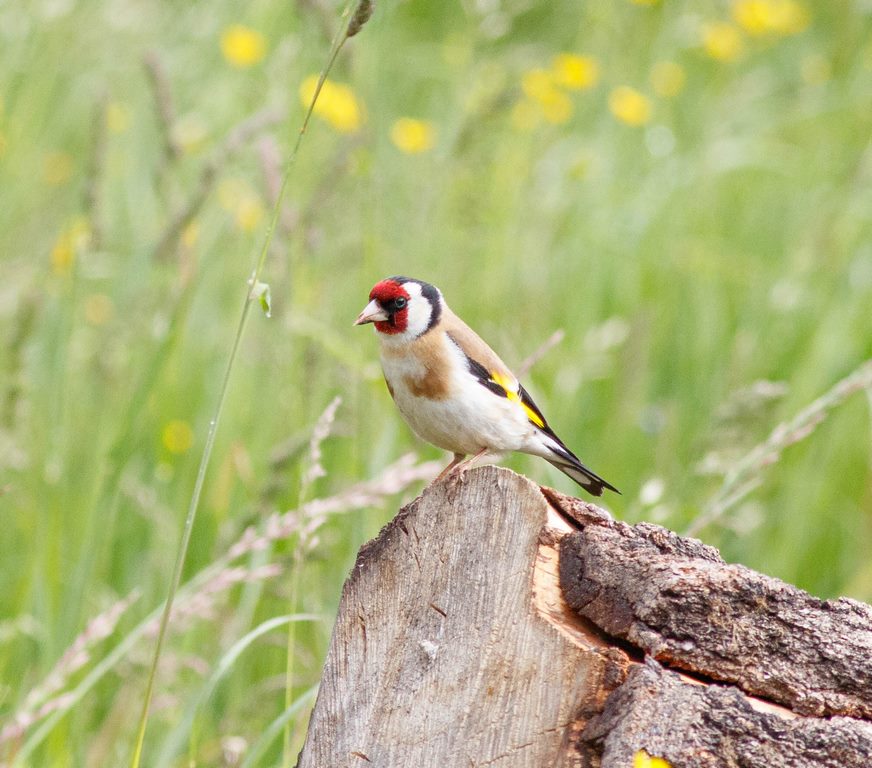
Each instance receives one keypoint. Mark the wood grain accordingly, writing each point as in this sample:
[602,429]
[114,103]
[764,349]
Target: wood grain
[439,656]
[496,623]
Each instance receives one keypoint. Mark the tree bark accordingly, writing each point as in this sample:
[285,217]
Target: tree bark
[676,600]
[709,726]
[494,623]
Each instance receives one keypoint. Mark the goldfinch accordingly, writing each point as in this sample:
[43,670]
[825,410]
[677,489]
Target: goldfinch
[452,388]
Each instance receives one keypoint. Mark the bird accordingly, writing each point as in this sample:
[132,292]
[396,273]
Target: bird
[453,390]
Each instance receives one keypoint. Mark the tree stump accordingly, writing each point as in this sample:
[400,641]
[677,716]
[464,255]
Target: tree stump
[497,623]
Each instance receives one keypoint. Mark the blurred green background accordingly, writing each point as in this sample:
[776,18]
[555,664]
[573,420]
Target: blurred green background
[684,188]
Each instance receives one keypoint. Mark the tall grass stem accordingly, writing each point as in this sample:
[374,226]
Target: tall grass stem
[181,555]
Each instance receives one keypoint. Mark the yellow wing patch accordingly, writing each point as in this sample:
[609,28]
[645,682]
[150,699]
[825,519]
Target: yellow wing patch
[504,381]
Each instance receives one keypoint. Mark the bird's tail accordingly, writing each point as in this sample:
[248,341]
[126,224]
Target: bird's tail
[590,481]
[551,448]
[568,463]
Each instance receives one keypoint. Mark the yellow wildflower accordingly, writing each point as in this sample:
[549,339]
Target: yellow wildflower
[538,84]
[239,199]
[525,115]
[57,167]
[177,436]
[191,234]
[190,133]
[249,214]
[336,104]
[117,117]
[63,255]
[413,136]
[667,79]
[98,309]
[763,17]
[629,106]
[643,760]
[72,240]
[557,108]
[242,46]
[540,87]
[575,72]
[722,41]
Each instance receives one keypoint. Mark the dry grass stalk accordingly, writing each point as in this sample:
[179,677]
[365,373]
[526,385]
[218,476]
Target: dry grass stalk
[198,600]
[95,172]
[312,515]
[544,348]
[240,136]
[201,604]
[39,702]
[362,14]
[163,101]
[319,434]
[746,474]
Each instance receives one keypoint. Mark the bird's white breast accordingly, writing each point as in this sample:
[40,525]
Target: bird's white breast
[445,404]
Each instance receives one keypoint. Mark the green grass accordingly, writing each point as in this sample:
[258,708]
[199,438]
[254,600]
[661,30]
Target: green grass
[725,242]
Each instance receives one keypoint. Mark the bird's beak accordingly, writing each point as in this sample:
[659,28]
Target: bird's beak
[372,313]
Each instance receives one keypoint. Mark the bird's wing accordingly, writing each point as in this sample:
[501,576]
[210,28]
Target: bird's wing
[563,458]
[472,345]
[493,374]
[490,371]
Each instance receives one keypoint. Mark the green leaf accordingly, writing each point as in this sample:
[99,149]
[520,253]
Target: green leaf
[260,291]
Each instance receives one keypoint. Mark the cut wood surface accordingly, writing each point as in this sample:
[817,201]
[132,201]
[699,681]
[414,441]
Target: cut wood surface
[439,656]
[456,645]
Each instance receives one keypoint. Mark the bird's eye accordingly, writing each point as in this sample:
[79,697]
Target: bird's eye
[399,302]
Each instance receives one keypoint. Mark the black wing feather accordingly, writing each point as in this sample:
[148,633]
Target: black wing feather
[564,458]
[593,482]
[483,377]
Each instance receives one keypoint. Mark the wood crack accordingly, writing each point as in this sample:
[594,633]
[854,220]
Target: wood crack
[492,622]
[676,601]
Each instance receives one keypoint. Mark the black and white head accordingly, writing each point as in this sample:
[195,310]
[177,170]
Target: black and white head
[402,309]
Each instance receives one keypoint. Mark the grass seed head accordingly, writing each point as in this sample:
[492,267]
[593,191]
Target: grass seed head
[361,15]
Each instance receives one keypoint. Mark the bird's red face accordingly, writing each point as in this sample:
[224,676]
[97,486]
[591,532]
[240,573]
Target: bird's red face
[388,307]
[402,308]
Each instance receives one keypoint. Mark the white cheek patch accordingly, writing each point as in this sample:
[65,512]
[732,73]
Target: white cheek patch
[419,311]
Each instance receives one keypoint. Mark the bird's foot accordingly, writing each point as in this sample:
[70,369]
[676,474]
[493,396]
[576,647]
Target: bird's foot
[451,468]
[458,468]
[456,475]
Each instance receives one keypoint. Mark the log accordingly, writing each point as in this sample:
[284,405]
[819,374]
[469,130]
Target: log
[709,726]
[497,623]
[676,600]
